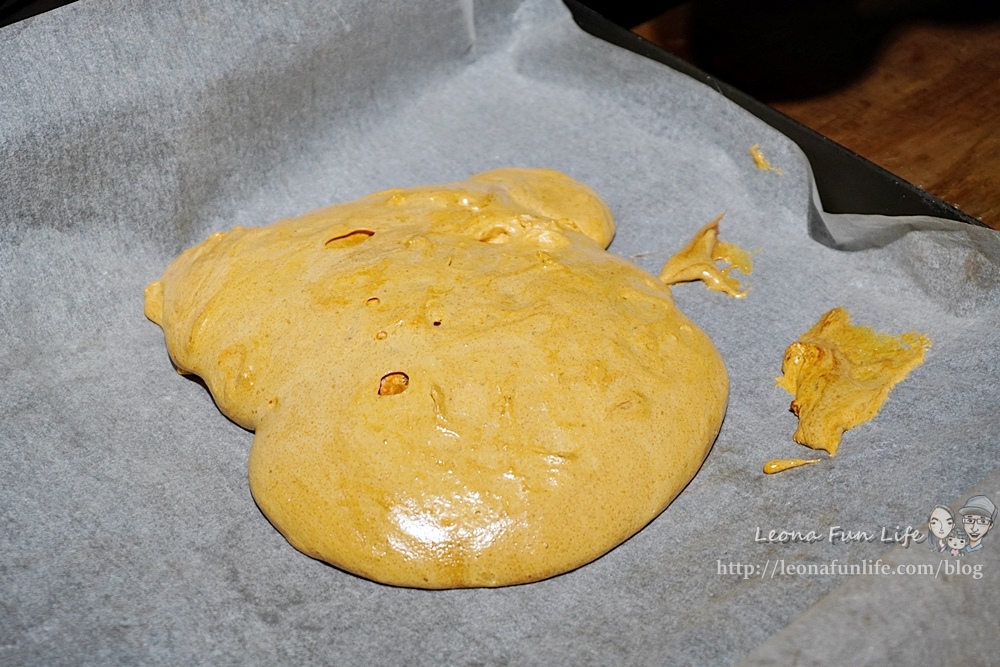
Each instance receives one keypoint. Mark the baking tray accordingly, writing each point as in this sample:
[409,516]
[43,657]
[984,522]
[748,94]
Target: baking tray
[115,138]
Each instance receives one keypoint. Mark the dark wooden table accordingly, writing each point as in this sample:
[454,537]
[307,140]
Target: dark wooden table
[927,107]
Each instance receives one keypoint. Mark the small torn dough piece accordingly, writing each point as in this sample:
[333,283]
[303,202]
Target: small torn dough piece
[841,374]
[760,161]
[696,261]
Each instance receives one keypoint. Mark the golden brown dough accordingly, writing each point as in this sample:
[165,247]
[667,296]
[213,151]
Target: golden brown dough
[452,385]
[841,374]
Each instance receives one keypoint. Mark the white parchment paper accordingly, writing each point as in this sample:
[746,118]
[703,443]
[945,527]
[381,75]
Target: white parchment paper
[129,131]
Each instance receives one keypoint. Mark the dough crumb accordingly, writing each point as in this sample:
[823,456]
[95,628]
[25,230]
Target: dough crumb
[760,161]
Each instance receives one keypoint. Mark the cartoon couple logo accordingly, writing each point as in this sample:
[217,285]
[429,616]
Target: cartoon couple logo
[977,517]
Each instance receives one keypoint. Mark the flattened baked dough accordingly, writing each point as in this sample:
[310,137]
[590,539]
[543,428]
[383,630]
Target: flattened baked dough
[450,386]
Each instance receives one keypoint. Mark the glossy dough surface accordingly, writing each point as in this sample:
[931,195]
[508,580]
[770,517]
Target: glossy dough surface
[452,385]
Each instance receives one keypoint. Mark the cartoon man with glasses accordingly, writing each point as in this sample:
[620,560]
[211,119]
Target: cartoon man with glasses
[978,516]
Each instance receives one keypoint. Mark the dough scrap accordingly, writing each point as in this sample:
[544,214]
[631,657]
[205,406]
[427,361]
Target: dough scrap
[841,375]
[450,386]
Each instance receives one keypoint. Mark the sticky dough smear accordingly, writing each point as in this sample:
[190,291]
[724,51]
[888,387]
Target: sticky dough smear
[452,385]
